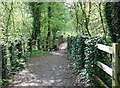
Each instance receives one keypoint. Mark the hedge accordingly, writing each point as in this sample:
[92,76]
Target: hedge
[14,55]
[75,49]
[84,53]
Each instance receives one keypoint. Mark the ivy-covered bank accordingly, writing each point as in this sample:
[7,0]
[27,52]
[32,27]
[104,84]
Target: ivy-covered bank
[84,53]
[14,56]
[75,49]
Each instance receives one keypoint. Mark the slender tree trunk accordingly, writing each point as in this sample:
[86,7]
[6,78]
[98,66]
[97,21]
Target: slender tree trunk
[77,19]
[49,30]
[102,21]
[36,25]
[54,38]
[36,13]
[108,12]
[39,35]
[8,20]
[86,18]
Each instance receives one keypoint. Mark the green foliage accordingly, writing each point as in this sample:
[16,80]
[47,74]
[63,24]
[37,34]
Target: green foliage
[15,21]
[14,57]
[4,64]
[76,47]
[37,53]
[15,54]
[88,16]
[112,14]
[20,21]
[35,8]
[107,60]
[91,57]
[84,53]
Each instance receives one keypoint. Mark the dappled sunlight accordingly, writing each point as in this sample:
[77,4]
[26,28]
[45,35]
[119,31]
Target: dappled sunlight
[36,63]
[50,70]
[47,82]
[63,46]
[25,78]
[68,43]
[56,53]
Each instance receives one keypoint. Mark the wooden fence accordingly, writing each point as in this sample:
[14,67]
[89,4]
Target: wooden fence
[0,63]
[59,41]
[114,72]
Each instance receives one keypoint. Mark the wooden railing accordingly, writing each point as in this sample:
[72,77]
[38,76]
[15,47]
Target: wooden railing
[59,41]
[0,64]
[114,72]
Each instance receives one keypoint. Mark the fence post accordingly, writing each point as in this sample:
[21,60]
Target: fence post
[0,63]
[116,65]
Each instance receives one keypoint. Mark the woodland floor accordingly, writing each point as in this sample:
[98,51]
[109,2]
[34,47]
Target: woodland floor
[50,70]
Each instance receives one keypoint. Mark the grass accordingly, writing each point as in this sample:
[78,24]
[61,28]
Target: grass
[37,53]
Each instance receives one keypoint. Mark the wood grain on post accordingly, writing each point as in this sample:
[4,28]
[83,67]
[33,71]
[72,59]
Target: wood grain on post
[0,63]
[116,65]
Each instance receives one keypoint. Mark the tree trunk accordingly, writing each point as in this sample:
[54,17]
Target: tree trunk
[36,24]
[49,31]
[77,19]
[86,18]
[36,13]
[102,21]
[112,14]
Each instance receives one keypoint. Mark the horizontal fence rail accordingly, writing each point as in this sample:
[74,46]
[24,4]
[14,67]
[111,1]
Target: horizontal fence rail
[114,72]
[105,48]
[0,63]
[104,67]
[100,82]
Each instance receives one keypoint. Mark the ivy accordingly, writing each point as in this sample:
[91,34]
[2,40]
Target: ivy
[84,53]
[76,47]
[4,64]
[107,60]
[91,57]
[14,57]
[112,15]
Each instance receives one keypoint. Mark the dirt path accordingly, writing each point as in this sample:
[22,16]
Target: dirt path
[52,69]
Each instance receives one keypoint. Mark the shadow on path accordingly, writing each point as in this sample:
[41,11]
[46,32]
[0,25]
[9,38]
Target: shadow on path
[52,69]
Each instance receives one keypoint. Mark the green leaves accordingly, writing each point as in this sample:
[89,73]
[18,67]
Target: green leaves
[84,53]
[90,60]
[76,47]
[112,14]
[14,57]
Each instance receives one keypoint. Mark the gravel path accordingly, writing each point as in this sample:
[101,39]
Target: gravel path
[53,69]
